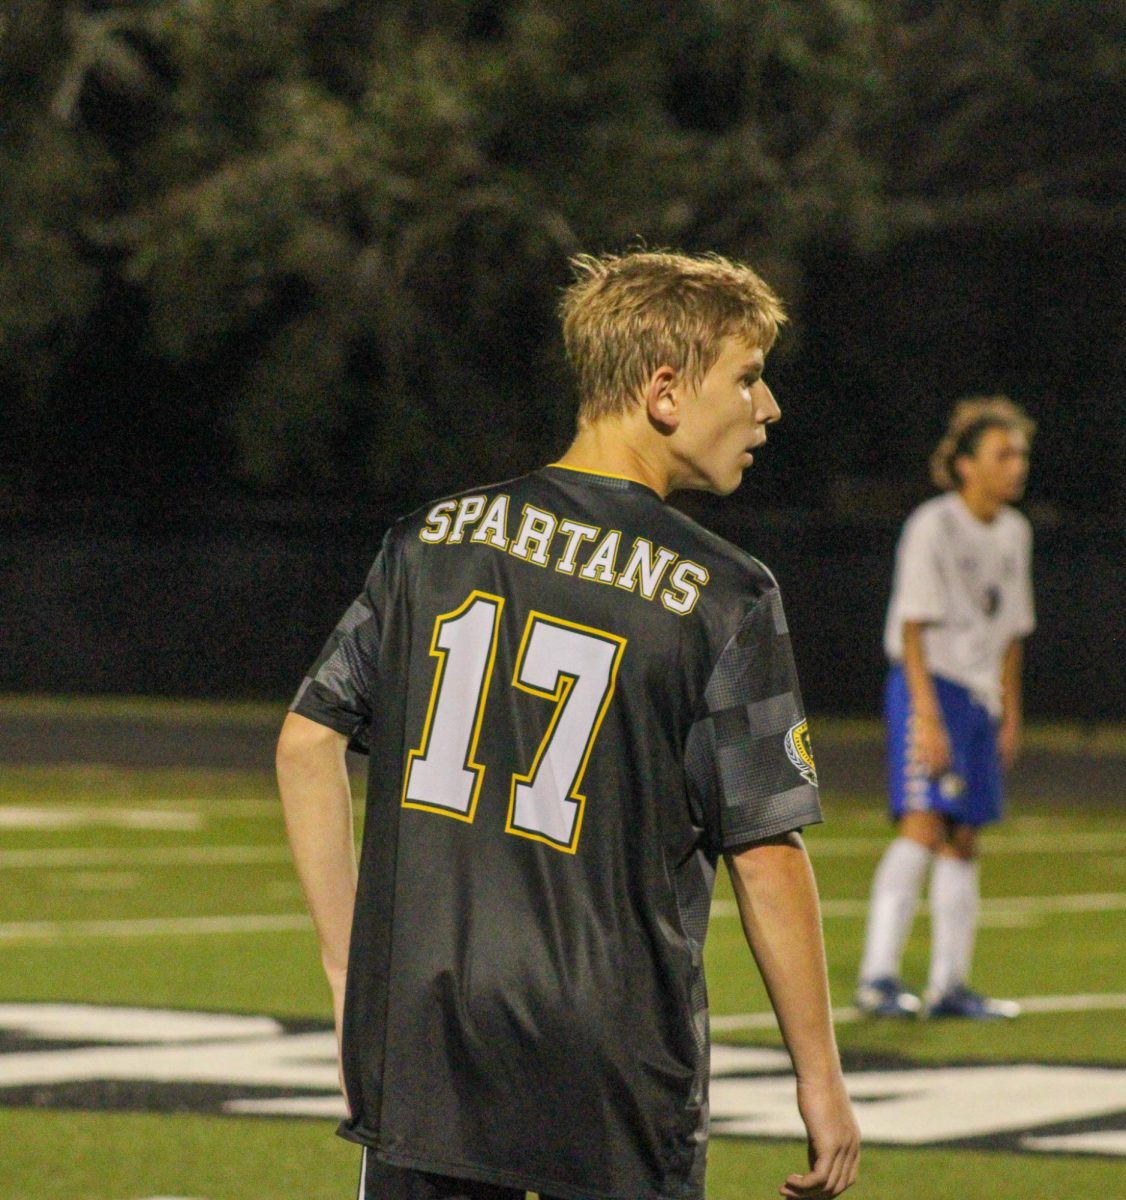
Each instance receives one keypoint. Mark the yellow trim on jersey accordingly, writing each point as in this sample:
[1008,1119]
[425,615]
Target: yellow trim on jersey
[563,689]
[612,566]
[530,517]
[423,747]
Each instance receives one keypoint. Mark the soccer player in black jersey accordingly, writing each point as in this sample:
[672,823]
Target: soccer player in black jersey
[574,700]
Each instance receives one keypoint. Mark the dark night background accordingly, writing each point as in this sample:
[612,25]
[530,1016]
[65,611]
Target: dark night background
[274,273]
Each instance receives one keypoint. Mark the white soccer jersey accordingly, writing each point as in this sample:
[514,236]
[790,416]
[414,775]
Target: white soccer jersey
[970,582]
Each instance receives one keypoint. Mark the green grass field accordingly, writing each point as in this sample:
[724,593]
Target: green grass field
[171,888]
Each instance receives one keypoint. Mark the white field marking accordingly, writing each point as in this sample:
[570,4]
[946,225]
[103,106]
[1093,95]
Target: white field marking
[1088,1002]
[918,1106]
[732,1022]
[1003,909]
[1097,1141]
[237,855]
[95,1022]
[330,1107]
[900,1107]
[92,881]
[751,1060]
[1016,907]
[1026,843]
[223,806]
[1091,1002]
[129,927]
[218,806]
[305,1061]
[751,1093]
[148,856]
[74,816]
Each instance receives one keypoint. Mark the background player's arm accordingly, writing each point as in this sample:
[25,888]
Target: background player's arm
[317,800]
[932,744]
[777,898]
[1008,736]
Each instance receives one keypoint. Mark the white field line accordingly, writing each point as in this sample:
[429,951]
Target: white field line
[997,907]
[130,927]
[1092,1002]
[177,856]
[90,816]
[1096,1141]
[148,856]
[223,806]
[1095,842]
[127,927]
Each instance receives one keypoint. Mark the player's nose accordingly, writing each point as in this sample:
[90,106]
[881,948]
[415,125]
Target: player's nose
[766,407]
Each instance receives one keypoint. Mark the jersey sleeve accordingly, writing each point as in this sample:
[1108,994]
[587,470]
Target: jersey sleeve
[920,588]
[747,756]
[337,691]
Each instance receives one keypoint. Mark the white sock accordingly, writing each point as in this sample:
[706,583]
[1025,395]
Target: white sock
[954,900]
[895,896]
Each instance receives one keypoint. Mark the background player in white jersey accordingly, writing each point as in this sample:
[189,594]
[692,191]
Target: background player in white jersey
[961,604]
[574,700]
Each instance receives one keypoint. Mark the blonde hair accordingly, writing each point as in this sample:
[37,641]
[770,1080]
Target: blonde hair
[970,419]
[625,315]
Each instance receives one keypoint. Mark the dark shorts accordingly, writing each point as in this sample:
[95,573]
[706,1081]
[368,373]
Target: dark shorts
[378,1181]
[970,792]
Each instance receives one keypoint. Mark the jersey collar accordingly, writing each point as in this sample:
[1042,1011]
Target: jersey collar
[605,479]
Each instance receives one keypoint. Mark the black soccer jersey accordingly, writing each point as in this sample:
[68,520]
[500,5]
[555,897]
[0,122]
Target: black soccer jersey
[574,698]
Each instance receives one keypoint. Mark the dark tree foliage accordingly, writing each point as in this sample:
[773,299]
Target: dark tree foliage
[339,227]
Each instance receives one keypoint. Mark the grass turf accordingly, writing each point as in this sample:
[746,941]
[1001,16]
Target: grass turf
[111,1156]
[84,1155]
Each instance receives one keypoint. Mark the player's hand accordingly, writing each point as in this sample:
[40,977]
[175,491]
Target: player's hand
[932,745]
[834,1142]
[1008,742]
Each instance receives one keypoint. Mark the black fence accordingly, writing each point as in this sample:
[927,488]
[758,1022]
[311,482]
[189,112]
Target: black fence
[238,611]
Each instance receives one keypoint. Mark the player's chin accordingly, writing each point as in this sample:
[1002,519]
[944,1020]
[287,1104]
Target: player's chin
[725,484]
[725,487]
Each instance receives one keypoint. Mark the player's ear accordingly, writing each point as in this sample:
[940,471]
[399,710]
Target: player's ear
[961,467]
[662,398]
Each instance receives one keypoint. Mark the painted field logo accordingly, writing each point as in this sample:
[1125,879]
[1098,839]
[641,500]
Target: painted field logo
[800,751]
[158,1060]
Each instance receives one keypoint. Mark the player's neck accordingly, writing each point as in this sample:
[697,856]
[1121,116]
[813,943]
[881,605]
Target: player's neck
[980,504]
[604,449]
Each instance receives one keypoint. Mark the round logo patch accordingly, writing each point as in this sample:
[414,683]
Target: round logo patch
[951,785]
[799,751]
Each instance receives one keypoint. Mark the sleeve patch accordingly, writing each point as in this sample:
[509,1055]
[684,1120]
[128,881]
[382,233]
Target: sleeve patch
[800,752]
[748,757]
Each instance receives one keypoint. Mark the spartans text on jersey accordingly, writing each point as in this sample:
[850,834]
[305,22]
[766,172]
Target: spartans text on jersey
[543,538]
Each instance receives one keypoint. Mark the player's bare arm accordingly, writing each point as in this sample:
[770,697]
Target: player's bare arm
[317,801]
[1012,717]
[932,740]
[778,905]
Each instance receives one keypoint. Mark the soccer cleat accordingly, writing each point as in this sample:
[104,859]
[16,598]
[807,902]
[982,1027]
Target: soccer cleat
[960,1001]
[886,997]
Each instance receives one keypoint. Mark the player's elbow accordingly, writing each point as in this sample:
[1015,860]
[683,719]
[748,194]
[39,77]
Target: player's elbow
[302,741]
[776,844]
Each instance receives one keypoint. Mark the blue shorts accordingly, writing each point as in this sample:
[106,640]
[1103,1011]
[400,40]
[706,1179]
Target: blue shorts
[969,792]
